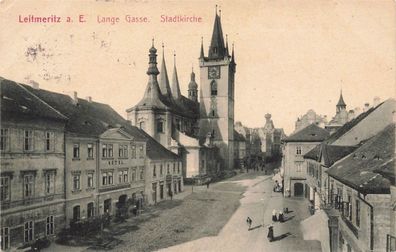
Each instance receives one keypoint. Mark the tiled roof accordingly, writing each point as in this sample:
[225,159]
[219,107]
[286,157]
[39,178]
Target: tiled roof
[371,167]
[17,103]
[311,133]
[329,153]
[313,154]
[155,150]
[349,125]
[85,118]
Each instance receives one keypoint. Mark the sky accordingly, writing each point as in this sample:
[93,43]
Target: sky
[291,56]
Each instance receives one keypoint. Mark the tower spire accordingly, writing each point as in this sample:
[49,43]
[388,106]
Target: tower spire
[227,53]
[163,78]
[232,54]
[202,55]
[217,48]
[193,87]
[175,80]
[152,90]
[340,104]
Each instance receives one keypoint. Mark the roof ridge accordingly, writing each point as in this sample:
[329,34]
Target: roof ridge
[31,93]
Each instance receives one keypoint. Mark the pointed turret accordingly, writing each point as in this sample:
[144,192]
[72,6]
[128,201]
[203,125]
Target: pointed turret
[163,78]
[340,104]
[217,49]
[152,94]
[193,88]
[202,55]
[227,52]
[175,81]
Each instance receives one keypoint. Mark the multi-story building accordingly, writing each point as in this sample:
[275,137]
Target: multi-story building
[164,171]
[105,157]
[359,188]
[337,147]
[294,148]
[32,167]
[195,130]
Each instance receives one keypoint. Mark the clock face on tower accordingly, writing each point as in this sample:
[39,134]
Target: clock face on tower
[214,72]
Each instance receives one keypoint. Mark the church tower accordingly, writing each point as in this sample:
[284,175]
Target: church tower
[217,73]
[341,106]
[193,88]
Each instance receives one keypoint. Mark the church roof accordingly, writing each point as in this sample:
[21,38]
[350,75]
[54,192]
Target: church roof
[370,168]
[311,133]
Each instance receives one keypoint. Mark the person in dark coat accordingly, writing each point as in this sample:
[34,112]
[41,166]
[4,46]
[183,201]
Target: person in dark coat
[281,219]
[270,234]
[249,222]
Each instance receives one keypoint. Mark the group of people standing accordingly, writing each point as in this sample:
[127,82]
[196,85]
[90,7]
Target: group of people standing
[276,216]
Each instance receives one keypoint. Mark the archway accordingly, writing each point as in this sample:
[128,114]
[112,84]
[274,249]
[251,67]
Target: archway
[298,189]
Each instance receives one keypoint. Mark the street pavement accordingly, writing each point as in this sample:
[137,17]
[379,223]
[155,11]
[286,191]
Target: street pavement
[258,202]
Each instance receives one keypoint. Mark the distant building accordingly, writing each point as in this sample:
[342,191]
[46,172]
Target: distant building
[270,138]
[239,150]
[310,118]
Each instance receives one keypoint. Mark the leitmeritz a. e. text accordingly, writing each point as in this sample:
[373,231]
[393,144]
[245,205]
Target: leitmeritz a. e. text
[39,19]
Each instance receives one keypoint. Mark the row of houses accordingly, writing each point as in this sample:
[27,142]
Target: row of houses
[348,179]
[67,160]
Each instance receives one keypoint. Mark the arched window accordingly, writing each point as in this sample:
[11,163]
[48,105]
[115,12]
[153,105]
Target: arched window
[213,88]
[142,125]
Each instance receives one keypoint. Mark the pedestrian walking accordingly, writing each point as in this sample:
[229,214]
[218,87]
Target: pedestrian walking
[249,222]
[171,195]
[274,218]
[207,185]
[270,234]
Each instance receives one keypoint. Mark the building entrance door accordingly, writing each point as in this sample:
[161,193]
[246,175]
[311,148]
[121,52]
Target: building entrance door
[298,189]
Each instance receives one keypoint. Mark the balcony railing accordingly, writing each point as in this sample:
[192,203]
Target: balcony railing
[114,187]
[30,201]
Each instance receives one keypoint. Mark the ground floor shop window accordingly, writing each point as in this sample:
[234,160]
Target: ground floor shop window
[90,210]
[50,225]
[29,229]
[5,238]
[76,213]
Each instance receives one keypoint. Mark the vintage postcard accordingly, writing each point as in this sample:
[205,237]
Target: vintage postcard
[143,125]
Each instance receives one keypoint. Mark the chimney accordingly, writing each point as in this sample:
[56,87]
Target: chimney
[89,98]
[34,84]
[366,107]
[351,114]
[75,97]
[394,117]
[376,101]
[357,111]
